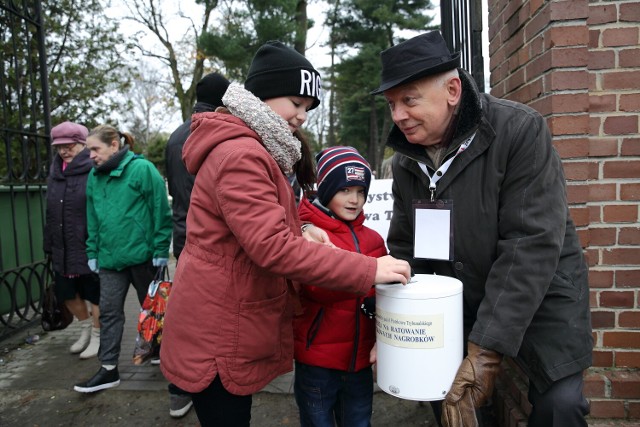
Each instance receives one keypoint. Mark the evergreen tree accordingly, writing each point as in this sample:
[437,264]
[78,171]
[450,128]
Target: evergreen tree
[367,27]
[85,61]
[246,25]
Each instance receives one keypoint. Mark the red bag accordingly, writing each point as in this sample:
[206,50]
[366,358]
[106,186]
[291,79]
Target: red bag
[151,319]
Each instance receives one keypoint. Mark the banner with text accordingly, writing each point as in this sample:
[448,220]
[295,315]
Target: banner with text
[379,206]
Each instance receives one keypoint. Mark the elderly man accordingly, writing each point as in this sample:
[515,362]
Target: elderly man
[485,171]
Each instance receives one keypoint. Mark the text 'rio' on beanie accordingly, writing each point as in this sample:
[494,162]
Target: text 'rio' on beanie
[340,167]
[278,70]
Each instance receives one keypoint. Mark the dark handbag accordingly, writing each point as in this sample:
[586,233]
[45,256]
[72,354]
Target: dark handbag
[151,319]
[55,314]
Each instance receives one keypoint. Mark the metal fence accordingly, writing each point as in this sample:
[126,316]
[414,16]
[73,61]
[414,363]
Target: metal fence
[24,162]
[461,25]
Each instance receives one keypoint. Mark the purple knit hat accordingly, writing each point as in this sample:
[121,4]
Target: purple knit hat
[69,133]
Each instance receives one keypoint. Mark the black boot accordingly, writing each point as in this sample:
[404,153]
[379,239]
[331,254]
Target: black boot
[102,380]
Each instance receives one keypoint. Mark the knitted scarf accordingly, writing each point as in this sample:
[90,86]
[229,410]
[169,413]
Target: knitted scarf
[272,129]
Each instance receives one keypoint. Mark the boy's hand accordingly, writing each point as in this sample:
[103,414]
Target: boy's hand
[373,354]
[317,235]
[392,270]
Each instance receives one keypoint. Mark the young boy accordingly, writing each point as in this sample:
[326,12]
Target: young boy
[333,337]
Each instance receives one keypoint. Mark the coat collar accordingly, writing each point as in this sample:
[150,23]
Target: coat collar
[125,157]
[81,164]
[314,211]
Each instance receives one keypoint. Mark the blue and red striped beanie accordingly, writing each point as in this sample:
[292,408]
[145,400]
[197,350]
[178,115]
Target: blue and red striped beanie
[340,167]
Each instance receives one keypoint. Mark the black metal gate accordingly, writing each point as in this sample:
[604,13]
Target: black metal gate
[24,162]
[461,25]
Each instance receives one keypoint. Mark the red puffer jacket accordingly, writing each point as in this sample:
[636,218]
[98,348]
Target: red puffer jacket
[333,332]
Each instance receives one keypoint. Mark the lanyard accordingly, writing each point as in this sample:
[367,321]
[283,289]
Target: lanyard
[433,179]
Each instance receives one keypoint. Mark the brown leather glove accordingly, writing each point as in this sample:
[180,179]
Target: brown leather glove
[472,386]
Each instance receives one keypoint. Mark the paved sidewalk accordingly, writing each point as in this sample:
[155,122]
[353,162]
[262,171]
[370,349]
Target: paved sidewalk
[36,388]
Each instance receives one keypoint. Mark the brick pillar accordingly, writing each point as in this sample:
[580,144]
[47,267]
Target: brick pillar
[614,233]
[578,63]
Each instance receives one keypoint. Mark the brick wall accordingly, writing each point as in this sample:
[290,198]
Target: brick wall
[578,64]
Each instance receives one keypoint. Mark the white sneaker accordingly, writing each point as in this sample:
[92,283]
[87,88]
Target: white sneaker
[85,335]
[94,345]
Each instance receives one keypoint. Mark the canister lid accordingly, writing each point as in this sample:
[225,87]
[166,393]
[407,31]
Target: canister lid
[422,286]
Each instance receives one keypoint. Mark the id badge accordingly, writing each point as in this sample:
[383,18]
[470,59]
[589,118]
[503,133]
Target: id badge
[433,233]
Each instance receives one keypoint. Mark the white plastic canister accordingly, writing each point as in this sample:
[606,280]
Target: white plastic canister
[419,336]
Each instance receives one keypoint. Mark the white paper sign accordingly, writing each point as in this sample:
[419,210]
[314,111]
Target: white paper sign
[432,236]
[379,206]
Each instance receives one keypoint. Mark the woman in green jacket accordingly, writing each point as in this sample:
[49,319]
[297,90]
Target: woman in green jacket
[129,228]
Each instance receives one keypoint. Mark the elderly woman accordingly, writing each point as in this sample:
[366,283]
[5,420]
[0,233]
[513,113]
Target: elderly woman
[65,233]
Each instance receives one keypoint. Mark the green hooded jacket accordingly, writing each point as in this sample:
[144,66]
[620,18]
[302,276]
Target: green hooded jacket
[128,214]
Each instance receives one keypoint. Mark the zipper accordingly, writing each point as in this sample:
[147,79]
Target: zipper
[315,327]
[356,338]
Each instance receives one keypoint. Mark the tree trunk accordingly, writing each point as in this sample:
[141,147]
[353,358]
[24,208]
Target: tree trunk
[301,27]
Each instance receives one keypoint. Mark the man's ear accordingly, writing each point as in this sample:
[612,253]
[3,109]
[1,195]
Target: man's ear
[454,89]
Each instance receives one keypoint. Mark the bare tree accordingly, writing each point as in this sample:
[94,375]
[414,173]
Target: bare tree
[148,114]
[149,14]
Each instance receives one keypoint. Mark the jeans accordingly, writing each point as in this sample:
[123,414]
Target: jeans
[216,407]
[113,292]
[327,397]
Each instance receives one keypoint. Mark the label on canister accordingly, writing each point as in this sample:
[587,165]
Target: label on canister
[410,331]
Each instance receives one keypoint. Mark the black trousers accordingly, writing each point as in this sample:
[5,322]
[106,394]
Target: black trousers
[216,407]
[562,405]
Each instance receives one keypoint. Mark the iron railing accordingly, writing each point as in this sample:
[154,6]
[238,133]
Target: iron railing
[24,163]
[461,25]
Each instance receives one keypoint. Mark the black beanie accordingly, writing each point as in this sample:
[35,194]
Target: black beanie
[340,167]
[211,88]
[277,70]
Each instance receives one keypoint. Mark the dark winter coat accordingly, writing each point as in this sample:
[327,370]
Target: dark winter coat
[180,184]
[333,332]
[65,230]
[179,180]
[516,250]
